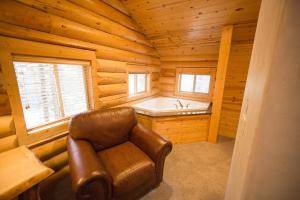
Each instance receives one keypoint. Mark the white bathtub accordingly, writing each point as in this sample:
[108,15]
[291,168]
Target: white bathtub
[166,106]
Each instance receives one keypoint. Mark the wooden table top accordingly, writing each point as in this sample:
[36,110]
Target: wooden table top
[20,169]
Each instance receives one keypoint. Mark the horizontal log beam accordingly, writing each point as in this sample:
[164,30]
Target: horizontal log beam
[39,49]
[105,78]
[7,126]
[58,161]
[198,57]
[102,52]
[167,80]
[8,143]
[5,108]
[168,72]
[50,149]
[121,55]
[113,89]
[110,101]
[167,87]
[143,67]
[111,66]
[166,93]
[155,76]
[155,91]
[69,10]
[103,9]
[155,84]
[189,64]
[59,26]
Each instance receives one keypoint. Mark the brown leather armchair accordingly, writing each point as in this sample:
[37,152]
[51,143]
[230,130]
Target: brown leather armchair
[111,156]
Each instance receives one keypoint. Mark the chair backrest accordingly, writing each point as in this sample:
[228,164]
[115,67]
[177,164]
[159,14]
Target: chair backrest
[103,128]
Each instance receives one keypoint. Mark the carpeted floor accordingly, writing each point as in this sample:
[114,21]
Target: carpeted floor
[194,171]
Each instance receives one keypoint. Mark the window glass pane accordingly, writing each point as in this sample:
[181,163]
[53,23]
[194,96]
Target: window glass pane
[50,92]
[73,89]
[202,83]
[38,93]
[131,84]
[141,82]
[186,82]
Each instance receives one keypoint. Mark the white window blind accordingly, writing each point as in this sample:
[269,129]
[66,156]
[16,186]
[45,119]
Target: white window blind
[137,84]
[50,92]
[194,83]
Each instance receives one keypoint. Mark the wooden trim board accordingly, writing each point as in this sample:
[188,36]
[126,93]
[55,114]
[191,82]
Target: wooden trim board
[220,82]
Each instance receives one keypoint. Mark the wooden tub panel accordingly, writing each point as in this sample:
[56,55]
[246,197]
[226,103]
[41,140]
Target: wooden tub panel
[179,129]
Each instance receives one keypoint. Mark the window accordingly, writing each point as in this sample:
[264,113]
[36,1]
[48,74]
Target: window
[137,84]
[50,92]
[194,83]
[35,73]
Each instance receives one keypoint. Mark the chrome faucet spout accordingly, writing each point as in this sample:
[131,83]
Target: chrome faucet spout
[181,105]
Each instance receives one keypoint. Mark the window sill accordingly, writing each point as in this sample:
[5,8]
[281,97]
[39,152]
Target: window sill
[44,134]
[194,95]
[138,96]
[47,127]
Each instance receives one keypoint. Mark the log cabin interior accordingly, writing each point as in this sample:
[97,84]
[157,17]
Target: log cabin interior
[149,99]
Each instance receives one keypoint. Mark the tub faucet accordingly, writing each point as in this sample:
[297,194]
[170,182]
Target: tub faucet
[181,105]
[187,105]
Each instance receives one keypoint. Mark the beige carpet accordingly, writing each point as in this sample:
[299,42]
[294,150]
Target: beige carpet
[195,171]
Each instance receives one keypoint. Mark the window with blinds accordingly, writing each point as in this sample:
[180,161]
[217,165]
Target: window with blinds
[50,92]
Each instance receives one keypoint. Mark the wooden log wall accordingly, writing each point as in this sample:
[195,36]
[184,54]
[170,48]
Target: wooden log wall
[206,56]
[201,56]
[112,81]
[102,26]
[167,78]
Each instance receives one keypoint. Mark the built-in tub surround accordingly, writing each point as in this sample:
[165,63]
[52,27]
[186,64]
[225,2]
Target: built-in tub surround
[180,120]
[166,106]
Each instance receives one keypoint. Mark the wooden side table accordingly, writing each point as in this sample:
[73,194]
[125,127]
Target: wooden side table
[20,171]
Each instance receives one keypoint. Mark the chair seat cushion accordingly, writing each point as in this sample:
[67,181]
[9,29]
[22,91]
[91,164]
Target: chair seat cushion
[130,168]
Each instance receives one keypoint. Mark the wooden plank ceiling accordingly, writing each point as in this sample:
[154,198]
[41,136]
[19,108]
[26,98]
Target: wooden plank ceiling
[189,27]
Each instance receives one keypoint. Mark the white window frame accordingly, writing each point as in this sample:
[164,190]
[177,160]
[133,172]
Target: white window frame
[136,94]
[194,83]
[136,84]
[195,71]
[40,51]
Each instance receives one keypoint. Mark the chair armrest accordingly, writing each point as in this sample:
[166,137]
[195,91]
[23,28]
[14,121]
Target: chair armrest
[89,178]
[154,145]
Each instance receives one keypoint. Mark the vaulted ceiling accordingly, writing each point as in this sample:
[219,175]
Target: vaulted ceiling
[188,27]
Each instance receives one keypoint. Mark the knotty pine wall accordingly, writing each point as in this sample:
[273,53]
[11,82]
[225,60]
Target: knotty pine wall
[102,26]
[236,77]
[235,82]
[206,55]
